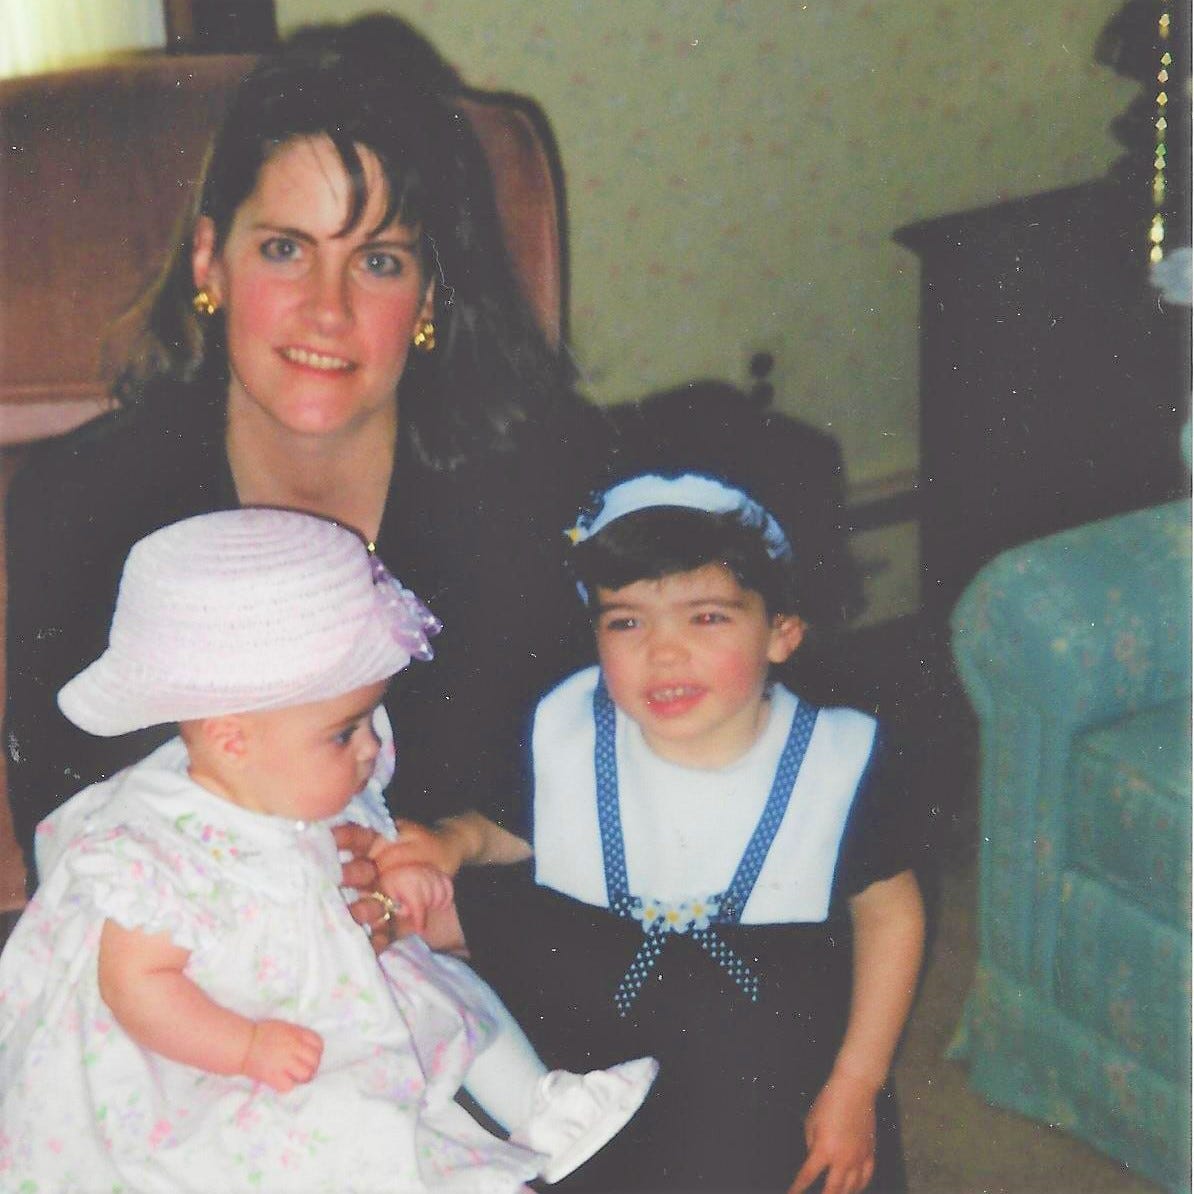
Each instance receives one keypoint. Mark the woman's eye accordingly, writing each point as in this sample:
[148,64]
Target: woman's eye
[280,248]
[344,737]
[710,618]
[383,265]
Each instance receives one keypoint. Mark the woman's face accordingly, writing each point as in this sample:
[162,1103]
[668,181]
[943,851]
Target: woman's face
[319,325]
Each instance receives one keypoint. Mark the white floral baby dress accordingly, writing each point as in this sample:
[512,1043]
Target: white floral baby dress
[255,900]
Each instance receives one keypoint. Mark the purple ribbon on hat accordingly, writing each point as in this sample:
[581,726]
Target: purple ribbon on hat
[412,624]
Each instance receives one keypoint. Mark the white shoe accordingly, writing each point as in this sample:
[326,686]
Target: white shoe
[575,1114]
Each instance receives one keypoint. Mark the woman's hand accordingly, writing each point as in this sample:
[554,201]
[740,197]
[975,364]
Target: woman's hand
[447,847]
[377,863]
[840,1134]
[360,871]
[377,868]
[413,872]
[282,1055]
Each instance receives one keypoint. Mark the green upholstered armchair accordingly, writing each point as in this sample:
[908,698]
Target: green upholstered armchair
[1075,652]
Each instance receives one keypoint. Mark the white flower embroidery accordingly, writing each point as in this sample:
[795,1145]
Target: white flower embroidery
[647,911]
[675,916]
[701,910]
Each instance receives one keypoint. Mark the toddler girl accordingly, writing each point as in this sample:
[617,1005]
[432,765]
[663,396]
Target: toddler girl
[186,1004]
[720,876]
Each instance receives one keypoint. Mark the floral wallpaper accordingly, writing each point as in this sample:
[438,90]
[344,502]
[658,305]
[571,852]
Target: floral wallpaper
[735,170]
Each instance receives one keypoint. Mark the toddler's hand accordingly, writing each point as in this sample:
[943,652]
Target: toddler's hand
[282,1055]
[840,1132]
[436,845]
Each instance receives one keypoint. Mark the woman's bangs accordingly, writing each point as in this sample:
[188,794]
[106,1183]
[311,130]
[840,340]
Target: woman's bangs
[405,198]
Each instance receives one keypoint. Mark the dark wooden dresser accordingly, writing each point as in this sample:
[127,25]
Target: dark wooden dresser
[1053,379]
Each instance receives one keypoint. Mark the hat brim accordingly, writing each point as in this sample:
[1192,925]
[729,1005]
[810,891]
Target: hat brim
[114,696]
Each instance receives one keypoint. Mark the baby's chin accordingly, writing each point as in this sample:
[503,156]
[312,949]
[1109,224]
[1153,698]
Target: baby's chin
[322,810]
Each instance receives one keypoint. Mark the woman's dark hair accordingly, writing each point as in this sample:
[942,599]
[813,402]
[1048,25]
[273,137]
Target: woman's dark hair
[374,84]
[665,540]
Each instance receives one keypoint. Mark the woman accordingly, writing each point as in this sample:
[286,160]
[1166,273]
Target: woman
[338,331]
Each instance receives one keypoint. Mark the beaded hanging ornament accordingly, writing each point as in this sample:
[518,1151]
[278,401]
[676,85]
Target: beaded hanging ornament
[1156,230]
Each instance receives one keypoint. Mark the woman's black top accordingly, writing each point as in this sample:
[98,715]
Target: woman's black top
[480,543]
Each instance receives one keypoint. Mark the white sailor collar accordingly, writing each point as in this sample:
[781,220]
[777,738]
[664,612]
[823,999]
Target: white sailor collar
[686,830]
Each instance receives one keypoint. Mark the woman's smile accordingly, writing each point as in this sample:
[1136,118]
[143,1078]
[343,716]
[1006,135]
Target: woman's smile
[321,362]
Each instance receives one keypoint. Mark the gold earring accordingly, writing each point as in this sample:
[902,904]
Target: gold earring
[424,337]
[204,304]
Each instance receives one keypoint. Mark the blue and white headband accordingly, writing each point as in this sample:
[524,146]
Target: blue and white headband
[691,491]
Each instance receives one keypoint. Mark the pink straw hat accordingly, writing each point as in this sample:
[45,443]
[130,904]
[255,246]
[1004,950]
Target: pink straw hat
[245,610]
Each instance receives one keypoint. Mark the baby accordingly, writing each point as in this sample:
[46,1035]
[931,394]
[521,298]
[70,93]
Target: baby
[187,1004]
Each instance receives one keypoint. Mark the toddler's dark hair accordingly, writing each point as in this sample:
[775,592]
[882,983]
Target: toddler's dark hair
[662,541]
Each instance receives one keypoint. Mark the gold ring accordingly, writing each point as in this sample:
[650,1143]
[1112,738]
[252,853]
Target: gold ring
[390,908]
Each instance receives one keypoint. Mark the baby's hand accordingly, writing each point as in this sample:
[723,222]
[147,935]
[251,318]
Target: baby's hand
[418,888]
[282,1055]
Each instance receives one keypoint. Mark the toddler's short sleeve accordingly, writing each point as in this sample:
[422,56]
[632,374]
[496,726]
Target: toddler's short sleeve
[884,832]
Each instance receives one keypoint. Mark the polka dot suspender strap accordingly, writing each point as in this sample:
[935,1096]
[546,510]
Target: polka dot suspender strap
[743,883]
[725,908]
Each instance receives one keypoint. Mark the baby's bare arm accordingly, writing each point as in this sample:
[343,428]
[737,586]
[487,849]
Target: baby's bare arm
[141,980]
